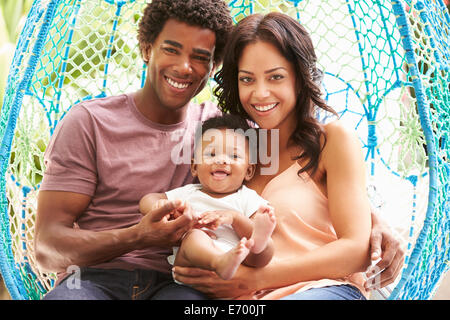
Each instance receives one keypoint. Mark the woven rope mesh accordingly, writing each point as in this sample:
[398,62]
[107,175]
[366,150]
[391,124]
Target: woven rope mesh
[386,66]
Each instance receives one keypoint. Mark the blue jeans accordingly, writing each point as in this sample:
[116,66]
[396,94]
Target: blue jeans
[339,292]
[115,284]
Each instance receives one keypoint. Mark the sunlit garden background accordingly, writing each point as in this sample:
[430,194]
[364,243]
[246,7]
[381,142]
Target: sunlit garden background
[13,14]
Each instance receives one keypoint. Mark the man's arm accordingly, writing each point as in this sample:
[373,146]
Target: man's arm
[58,245]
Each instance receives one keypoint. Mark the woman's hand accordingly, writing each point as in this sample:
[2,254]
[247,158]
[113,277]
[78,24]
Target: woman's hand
[214,287]
[383,245]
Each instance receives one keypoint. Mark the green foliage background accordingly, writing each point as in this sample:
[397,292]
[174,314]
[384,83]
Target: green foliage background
[13,14]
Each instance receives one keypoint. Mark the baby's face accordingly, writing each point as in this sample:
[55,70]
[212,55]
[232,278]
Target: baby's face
[221,163]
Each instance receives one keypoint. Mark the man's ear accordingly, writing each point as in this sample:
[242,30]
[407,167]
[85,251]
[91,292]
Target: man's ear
[145,52]
[251,169]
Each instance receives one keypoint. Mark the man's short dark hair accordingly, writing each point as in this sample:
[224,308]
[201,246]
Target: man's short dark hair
[208,14]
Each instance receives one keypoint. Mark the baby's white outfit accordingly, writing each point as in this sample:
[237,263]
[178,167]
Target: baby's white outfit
[244,200]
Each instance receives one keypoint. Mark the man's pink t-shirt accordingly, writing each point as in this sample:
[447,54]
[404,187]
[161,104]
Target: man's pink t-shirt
[107,149]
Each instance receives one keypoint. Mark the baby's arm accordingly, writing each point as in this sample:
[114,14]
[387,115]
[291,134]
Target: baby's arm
[241,224]
[150,201]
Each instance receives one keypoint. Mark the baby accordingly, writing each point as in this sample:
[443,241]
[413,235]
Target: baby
[242,221]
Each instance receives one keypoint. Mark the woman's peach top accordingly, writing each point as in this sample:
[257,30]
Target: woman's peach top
[303,224]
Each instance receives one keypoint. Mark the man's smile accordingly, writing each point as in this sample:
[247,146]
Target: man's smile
[177,84]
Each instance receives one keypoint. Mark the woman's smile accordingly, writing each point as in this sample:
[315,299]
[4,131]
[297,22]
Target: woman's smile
[264,107]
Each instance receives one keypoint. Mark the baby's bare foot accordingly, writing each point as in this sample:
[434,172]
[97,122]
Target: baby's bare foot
[264,224]
[227,264]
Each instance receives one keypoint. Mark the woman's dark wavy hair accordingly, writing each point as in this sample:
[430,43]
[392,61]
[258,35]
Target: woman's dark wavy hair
[294,43]
[210,14]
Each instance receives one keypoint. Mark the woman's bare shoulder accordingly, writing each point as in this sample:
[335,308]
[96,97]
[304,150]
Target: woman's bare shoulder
[340,139]
[338,129]
[338,132]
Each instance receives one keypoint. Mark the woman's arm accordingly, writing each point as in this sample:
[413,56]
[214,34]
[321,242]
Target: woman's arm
[349,206]
[349,209]
[343,163]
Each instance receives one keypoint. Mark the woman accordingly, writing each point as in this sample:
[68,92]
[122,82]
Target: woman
[318,192]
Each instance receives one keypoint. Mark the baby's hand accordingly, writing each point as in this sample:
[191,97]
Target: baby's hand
[159,204]
[213,219]
[172,214]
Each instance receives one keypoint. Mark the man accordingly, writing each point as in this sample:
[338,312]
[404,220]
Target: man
[107,153]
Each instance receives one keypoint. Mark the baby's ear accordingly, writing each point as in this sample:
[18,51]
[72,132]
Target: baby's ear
[251,169]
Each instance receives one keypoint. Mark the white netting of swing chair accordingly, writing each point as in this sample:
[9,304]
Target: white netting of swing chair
[399,152]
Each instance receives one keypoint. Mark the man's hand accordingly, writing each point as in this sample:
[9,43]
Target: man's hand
[384,246]
[159,228]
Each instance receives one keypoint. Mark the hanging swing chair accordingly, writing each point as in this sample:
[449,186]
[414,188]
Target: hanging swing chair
[386,72]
